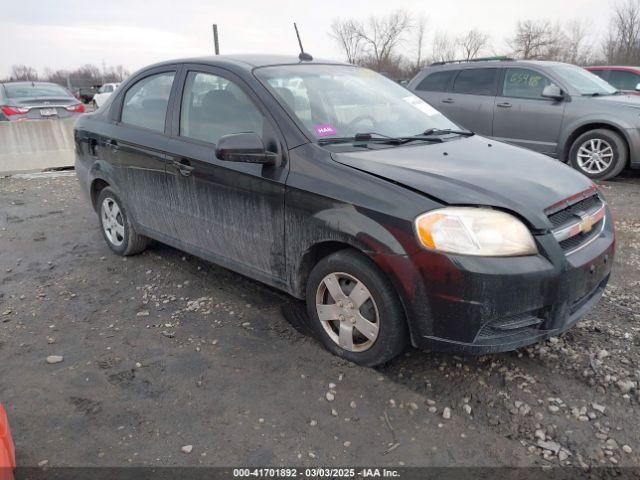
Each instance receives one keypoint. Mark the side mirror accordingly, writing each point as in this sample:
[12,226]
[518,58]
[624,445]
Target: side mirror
[552,91]
[244,147]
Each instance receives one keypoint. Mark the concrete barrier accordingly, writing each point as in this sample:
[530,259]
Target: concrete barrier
[33,145]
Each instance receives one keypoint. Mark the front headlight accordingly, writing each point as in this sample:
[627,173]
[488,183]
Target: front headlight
[474,231]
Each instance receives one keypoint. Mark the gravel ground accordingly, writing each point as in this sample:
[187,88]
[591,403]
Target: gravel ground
[163,359]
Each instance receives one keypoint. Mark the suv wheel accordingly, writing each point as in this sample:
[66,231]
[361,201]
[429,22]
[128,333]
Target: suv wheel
[117,229]
[599,154]
[354,310]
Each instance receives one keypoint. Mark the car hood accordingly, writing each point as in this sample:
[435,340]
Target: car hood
[476,171]
[618,100]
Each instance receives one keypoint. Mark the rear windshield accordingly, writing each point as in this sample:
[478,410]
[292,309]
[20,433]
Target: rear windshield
[34,90]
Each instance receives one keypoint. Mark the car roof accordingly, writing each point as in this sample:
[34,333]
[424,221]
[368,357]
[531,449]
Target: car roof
[248,61]
[614,67]
[28,82]
[458,65]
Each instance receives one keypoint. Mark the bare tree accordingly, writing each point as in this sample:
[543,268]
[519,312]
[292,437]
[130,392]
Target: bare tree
[420,30]
[347,35]
[623,44]
[472,43]
[610,47]
[444,48]
[382,35]
[577,48]
[537,40]
[23,73]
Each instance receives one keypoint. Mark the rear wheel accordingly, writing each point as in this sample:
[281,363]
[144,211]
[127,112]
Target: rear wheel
[354,310]
[117,229]
[600,154]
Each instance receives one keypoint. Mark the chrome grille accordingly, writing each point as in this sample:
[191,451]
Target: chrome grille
[578,224]
[567,215]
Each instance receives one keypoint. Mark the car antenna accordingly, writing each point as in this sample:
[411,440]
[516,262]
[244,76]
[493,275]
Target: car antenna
[304,56]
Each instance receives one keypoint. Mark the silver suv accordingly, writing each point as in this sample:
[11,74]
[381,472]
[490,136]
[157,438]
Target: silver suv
[554,108]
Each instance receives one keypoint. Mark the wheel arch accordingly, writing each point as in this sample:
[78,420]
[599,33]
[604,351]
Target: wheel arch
[588,126]
[97,185]
[314,254]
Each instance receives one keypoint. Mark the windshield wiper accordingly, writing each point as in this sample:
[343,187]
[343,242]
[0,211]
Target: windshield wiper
[601,94]
[446,131]
[377,138]
[429,135]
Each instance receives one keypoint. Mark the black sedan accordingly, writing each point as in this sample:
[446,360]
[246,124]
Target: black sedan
[344,189]
[37,101]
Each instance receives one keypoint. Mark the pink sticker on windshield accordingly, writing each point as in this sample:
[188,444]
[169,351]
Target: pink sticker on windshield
[324,130]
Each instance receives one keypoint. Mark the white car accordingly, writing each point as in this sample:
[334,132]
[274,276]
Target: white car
[105,91]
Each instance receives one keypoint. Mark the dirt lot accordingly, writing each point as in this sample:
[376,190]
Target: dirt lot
[163,351]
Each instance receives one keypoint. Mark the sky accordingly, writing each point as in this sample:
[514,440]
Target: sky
[65,34]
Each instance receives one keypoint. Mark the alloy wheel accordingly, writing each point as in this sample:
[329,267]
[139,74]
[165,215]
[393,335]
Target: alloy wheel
[112,221]
[347,311]
[595,156]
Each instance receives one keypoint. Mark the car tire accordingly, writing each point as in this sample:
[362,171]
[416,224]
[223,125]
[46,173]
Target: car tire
[116,226]
[374,309]
[599,154]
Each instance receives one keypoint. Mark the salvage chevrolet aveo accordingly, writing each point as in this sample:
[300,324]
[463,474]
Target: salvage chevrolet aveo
[342,188]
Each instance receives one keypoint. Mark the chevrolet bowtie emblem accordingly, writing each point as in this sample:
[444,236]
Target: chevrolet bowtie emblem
[587,223]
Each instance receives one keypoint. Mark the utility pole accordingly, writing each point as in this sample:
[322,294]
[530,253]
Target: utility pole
[216,46]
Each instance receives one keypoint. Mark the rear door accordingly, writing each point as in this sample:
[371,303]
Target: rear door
[472,98]
[137,146]
[232,212]
[434,88]
[523,116]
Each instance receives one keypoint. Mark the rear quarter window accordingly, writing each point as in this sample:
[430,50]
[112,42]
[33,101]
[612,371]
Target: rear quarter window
[436,81]
[476,81]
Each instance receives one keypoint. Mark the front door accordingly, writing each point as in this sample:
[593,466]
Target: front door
[229,211]
[523,116]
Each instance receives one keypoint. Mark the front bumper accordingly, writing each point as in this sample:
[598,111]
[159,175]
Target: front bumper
[474,305]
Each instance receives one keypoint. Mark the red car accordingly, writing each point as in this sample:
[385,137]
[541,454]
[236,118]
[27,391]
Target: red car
[625,79]
[7,451]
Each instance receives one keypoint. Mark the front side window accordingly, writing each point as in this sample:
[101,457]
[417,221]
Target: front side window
[476,81]
[624,80]
[342,101]
[436,82]
[213,106]
[106,89]
[145,103]
[524,83]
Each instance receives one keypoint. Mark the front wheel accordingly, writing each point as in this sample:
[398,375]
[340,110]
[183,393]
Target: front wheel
[600,154]
[354,310]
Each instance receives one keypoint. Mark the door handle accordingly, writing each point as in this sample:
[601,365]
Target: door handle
[183,167]
[504,105]
[448,100]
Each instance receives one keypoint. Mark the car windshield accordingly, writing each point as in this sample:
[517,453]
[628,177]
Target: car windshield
[585,82]
[335,101]
[34,90]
